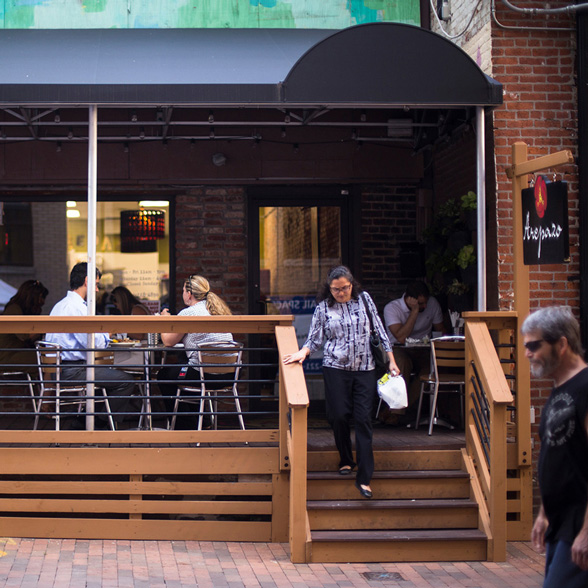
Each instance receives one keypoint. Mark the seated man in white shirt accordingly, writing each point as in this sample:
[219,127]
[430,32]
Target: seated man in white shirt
[116,382]
[415,315]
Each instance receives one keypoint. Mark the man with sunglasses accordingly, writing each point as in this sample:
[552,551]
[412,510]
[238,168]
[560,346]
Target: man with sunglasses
[553,347]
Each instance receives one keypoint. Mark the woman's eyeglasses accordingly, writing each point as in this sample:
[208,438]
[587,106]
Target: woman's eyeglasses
[532,346]
[341,290]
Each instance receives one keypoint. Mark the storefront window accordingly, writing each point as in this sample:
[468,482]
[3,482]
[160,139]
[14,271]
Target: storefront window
[143,267]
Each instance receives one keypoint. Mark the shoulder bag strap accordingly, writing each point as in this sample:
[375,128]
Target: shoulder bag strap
[367,309]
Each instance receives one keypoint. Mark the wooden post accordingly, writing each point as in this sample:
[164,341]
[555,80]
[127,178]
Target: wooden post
[498,464]
[293,441]
[519,171]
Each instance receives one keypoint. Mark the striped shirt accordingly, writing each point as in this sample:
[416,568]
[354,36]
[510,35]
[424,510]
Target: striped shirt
[345,330]
[191,340]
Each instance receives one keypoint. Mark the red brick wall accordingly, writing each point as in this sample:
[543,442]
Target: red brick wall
[537,70]
[211,241]
[388,218]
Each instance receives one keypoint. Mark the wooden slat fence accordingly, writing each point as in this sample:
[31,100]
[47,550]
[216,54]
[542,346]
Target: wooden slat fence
[225,485]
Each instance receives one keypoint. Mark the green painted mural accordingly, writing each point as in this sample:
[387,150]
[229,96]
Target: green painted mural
[153,14]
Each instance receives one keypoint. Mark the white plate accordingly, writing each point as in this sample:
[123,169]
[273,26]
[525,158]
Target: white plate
[125,344]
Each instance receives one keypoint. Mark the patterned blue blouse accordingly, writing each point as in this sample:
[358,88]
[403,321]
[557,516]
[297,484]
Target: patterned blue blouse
[345,329]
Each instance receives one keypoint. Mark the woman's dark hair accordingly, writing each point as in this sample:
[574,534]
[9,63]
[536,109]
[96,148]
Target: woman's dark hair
[30,297]
[339,271]
[125,299]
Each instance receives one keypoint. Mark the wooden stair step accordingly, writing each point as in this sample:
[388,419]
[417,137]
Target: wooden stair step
[431,513]
[392,475]
[381,545]
[390,504]
[400,535]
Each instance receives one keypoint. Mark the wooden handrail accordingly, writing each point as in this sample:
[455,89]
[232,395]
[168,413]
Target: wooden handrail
[144,324]
[293,440]
[485,377]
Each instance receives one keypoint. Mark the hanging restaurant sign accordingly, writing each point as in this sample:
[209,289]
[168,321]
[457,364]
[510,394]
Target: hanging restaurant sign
[545,223]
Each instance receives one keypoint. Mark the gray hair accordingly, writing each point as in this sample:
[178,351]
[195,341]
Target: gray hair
[553,323]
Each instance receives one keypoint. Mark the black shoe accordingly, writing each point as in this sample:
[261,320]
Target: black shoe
[363,491]
[346,470]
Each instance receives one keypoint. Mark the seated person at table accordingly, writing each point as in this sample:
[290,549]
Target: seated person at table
[199,301]
[414,315]
[28,300]
[117,383]
[126,303]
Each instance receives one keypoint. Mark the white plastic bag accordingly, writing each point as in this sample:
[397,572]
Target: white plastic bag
[392,390]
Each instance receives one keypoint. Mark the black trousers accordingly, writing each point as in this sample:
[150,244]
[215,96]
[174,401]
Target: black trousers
[116,382]
[351,394]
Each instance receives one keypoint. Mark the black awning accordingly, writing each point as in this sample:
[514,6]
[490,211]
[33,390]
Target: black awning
[374,64]
[391,64]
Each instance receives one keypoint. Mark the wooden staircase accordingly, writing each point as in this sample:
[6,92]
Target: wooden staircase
[423,510]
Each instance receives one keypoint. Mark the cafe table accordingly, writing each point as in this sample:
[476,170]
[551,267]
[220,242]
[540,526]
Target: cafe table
[138,359]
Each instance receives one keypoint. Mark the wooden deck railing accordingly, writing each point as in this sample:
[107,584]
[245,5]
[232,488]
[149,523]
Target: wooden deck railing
[487,399]
[293,443]
[249,456]
[504,330]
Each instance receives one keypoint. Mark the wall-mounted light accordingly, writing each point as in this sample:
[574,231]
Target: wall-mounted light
[153,203]
[73,213]
[400,127]
[134,116]
[71,203]
[57,117]
[219,159]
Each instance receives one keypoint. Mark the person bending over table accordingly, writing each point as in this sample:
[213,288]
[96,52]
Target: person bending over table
[414,315]
[199,301]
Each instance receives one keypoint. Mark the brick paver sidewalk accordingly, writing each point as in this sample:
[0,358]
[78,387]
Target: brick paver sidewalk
[64,563]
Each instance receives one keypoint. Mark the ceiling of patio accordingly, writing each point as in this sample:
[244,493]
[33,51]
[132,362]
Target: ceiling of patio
[381,82]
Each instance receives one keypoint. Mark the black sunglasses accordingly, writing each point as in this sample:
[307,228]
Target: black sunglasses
[532,346]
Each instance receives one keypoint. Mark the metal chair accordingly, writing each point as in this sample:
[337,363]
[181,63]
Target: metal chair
[447,376]
[50,366]
[26,379]
[222,360]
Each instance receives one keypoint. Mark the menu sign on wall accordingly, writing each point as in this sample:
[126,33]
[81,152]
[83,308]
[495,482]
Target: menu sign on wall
[545,223]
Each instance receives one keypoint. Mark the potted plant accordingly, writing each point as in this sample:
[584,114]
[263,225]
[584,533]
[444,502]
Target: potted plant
[450,262]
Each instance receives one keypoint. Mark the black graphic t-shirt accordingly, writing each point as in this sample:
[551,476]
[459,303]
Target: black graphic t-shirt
[563,460]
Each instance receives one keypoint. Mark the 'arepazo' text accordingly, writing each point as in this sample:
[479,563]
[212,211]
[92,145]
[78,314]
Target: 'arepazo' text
[540,233]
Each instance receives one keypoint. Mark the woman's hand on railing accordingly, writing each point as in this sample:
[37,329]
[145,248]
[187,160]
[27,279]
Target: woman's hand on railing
[297,357]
